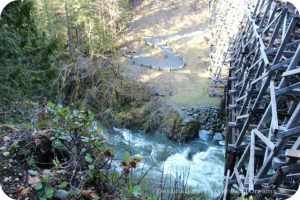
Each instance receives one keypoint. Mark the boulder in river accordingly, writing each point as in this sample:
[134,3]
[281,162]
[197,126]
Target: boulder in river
[189,129]
[184,129]
[204,135]
[218,137]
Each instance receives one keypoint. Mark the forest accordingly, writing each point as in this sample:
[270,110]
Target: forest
[43,41]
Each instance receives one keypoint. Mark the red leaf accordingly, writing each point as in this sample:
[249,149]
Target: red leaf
[132,164]
[124,164]
[108,154]
[126,171]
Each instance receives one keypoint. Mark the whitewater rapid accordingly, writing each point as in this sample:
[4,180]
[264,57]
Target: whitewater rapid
[204,160]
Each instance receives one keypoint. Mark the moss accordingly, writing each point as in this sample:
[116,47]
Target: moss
[124,117]
[183,131]
[155,115]
[146,116]
[177,129]
[171,122]
[190,130]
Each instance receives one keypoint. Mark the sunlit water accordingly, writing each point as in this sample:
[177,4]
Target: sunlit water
[203,160]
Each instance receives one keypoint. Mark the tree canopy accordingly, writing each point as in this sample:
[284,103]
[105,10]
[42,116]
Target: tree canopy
[39,36]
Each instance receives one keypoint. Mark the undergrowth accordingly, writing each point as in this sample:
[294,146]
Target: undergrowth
[63,155]
[67,154]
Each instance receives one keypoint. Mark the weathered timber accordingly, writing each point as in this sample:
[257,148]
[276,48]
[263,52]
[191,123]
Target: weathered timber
[263,103]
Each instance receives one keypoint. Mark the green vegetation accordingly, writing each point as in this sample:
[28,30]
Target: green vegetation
[27,69]
[41,40]
[67,154]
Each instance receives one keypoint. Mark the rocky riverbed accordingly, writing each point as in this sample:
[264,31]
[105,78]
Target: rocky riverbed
[206,118]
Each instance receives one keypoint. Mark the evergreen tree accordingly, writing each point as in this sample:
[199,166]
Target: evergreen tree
[37,34]
[26,63]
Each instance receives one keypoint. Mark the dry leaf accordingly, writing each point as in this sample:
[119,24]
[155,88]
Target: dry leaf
[33,180]
[25,192]
[22,191]
[89,194]
[20,188]
[94,195]
[85,193]
[45,132]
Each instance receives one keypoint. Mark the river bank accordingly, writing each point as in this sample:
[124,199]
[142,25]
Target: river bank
[162,162]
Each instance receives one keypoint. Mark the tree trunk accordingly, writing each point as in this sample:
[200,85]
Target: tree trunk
[70,38]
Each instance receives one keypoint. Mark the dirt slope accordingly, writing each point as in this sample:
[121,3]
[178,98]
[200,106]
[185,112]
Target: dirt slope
[184,26]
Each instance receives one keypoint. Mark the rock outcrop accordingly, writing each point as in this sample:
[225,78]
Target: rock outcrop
[208,117]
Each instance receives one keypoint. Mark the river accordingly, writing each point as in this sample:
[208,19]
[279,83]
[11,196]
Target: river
[204,160]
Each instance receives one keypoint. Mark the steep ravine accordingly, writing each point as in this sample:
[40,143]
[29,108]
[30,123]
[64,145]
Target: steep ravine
[151,124]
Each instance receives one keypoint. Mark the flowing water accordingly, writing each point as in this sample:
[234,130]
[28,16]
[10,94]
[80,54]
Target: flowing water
[203,160]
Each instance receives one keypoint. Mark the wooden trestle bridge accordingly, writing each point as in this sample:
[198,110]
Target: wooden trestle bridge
[263,104]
